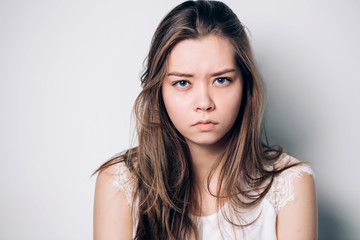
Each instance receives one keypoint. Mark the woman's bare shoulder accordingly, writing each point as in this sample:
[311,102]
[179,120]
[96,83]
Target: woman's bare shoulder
[112,212]
[298,218]
[294,198]
[282,191]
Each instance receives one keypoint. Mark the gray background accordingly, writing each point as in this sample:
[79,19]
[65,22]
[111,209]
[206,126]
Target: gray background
[69,73]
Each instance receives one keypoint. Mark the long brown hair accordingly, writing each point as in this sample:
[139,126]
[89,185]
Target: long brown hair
[161,161]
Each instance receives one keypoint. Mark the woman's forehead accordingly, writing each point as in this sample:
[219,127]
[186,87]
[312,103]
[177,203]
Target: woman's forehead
[210,53]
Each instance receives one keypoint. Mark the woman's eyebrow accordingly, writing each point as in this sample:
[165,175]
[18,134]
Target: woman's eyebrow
[179,74]
[223,72]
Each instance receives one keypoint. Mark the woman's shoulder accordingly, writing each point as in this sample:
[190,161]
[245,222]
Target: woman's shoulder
[116,175]
[282,190]
[122,179]
[296,168]
[112,209]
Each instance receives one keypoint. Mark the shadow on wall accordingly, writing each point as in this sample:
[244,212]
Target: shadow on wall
[295,127]
[331,224]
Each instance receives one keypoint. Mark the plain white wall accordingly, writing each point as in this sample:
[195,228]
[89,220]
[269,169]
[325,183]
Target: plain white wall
[69,73]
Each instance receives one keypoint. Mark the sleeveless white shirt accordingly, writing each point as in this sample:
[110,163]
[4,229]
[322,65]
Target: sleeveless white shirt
[215,226]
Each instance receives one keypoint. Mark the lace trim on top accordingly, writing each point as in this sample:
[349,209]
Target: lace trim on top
[279,195]
[124,181]
[282,190]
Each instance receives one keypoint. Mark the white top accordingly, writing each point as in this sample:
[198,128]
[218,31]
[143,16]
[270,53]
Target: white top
[216,226]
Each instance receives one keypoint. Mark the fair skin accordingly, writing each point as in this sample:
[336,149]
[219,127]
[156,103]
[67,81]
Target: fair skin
[202,95]
[112,215]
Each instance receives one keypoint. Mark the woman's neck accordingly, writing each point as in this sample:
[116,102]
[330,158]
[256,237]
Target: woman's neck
[204,159]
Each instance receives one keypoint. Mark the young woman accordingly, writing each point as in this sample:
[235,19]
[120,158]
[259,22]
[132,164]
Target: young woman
[201,170]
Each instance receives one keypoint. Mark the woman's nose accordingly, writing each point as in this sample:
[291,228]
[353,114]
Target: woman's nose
[203,100]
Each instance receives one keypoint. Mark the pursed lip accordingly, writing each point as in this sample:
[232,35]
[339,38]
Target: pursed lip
[208,121]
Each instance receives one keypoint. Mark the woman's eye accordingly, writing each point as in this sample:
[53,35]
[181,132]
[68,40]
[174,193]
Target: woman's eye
[222,80]
[182,83]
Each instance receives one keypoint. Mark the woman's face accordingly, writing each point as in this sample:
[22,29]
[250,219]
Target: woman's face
[202,89]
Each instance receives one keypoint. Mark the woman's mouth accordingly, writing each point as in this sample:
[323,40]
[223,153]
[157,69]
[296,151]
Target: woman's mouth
[205,125]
